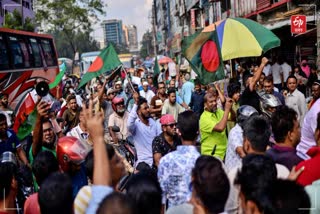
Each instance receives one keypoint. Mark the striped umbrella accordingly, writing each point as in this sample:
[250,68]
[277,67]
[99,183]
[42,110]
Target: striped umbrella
[239,37]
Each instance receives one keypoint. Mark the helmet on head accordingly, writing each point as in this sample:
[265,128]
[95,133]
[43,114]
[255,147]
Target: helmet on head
[116,100]
[269,101]
[70,150]
[244,113]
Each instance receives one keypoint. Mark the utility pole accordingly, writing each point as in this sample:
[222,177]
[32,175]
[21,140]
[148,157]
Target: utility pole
[22,18]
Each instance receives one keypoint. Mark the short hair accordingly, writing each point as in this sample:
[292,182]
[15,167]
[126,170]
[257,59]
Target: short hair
[208,96]
[55,194]
[211,183]
[257,131]
[246,77]
[293,77]
[3,117]
[288,197]
[71,97]
[89,160]
[8,171]
[116,203]
[161,83]
[43,165]
[187,77]
[257,174]
[171,90]
[268,79]
[282,121]
[145,193]
[141,101]
[188,125]
[233,88]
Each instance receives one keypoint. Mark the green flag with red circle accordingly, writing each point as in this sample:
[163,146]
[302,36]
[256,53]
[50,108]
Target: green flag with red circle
[106,62]
[204,56]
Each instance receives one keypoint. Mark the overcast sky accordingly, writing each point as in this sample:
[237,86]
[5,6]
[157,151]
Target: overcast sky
[134,12]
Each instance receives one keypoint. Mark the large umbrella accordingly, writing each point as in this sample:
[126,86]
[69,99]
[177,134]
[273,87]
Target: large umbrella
[165,60]
[239,37]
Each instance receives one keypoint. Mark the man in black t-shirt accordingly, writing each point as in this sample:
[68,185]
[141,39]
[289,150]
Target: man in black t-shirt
[167,141]
[249,95]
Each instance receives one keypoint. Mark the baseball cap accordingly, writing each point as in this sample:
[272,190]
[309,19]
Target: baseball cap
[167,119]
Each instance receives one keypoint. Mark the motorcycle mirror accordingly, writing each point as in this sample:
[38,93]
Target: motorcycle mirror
[115,128]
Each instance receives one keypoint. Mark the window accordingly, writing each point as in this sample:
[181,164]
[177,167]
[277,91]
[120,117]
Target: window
[4,61]
[16,52]
[35,53]
[48,52]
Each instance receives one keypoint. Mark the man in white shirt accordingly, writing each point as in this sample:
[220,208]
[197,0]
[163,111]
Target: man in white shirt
[276,72]
[146,92]
[286,70]
[295,99]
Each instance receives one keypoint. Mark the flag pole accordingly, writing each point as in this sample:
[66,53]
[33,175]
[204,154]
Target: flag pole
[129,81]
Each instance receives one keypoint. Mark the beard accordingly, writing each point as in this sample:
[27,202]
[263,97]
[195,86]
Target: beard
[145,116]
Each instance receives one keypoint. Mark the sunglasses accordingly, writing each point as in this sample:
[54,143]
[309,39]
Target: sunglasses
[119,104]
[172,125]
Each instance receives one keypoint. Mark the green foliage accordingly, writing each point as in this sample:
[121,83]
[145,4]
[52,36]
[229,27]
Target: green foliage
[147,47]
[69,18]
[14,21]
[81,41]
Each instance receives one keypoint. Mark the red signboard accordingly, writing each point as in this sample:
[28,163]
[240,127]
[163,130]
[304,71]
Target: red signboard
[298,24]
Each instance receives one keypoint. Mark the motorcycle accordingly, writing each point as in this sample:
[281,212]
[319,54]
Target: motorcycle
[126,148]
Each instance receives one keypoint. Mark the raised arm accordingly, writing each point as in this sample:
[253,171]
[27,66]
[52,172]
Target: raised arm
[257,74]
[42,112]
[101,166]
[133,114]
[219,127]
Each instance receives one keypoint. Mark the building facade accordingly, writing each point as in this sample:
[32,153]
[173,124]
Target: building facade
[175,19]
[113,32]
[132,36]
[24,6]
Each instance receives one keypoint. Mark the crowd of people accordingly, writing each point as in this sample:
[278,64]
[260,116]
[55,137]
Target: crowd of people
[248,144]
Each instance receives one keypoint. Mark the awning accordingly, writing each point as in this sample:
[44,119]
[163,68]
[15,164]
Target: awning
[307,32]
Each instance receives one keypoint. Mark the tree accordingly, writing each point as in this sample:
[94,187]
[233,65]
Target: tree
[81,40]
[14,21]
[69,17]
[120,48]
[147,48]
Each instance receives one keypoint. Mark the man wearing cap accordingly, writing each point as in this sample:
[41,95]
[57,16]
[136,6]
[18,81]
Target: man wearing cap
[119,89]
[146,92]
[167,141]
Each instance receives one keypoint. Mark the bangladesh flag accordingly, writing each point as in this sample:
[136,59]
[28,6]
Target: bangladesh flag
[203,53]
[156,72]
[106,61]
[59,77]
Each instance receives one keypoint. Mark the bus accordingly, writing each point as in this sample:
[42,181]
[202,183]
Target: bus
[25,57]
[86,60]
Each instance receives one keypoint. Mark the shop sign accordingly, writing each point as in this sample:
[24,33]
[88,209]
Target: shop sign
[298,24]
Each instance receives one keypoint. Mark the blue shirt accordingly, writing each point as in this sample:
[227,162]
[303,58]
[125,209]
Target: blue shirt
[79,180]
[187,89]
[11,144]
[174,174]
[197,102]
[143,136]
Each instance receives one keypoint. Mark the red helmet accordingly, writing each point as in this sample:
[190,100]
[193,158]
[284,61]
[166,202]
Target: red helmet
[70,150]
[116,100]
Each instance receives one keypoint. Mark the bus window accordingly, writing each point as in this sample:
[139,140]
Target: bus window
[16,52]
[48,52]
[25,53]
[4,61]
[35,53]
